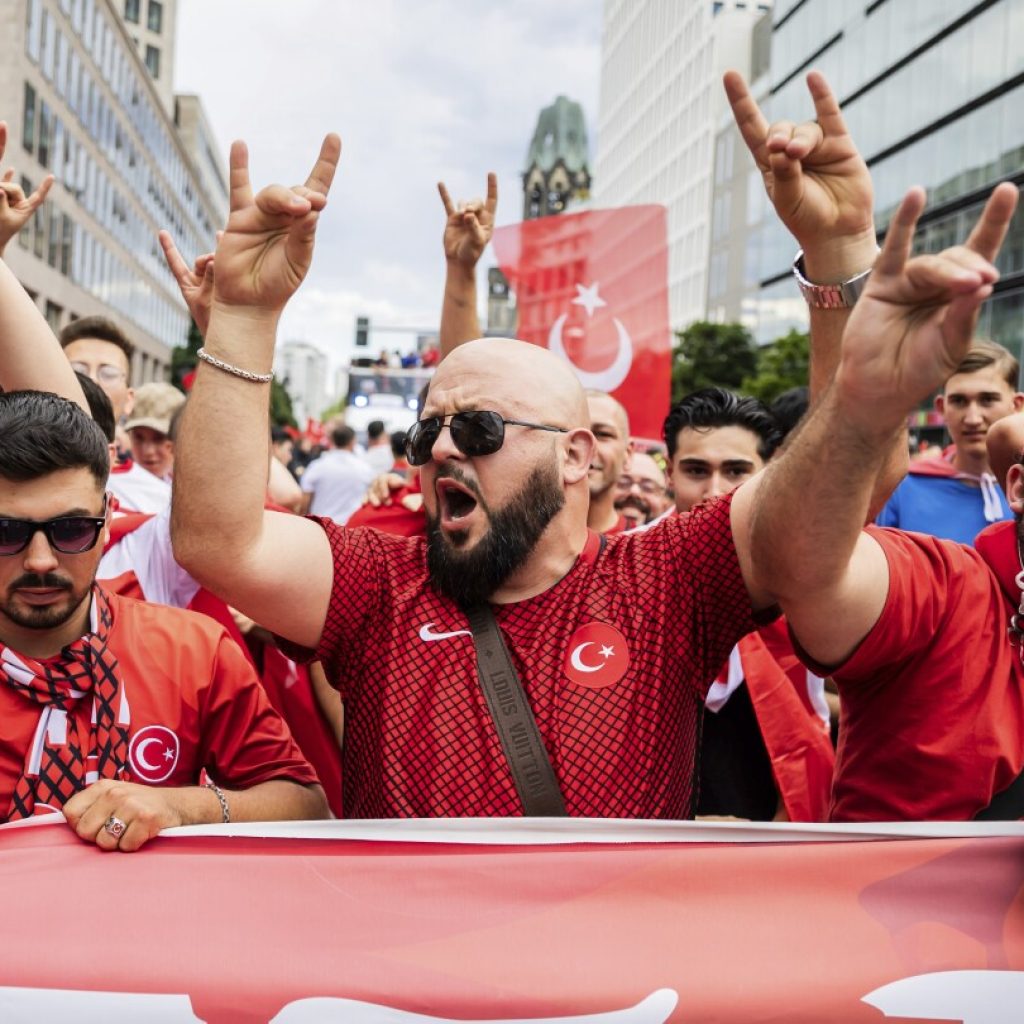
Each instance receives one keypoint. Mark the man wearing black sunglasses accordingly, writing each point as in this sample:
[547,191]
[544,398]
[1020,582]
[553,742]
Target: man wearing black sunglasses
[110,707]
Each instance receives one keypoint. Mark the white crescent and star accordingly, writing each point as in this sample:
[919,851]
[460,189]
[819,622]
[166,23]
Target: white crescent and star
[610,378]
[140,754]
[576,658]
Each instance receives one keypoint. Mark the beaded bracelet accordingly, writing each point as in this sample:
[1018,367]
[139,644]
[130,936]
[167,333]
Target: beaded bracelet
[219,794]
[236,371]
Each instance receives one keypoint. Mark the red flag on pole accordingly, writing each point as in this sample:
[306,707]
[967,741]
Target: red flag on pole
[593,287]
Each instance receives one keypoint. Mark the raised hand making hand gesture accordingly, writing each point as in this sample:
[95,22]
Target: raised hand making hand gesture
[915,320]
[815,177]
[15,206]
[267,245]
[470,225]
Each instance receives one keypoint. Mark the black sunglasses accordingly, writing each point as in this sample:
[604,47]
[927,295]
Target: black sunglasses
[70,535]
[473,433]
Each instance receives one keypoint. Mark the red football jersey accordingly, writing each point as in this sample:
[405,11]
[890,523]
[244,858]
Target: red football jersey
[932,720]
[195,702]
[615,659]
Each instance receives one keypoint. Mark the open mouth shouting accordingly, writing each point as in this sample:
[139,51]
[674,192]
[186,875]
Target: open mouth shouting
[456,504]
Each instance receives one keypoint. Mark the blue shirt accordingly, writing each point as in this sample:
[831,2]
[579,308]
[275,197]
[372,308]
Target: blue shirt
[939,506]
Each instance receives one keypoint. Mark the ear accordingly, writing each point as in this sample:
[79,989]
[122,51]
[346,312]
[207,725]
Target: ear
[1018,401]
[940,403]
[1015,488]
[578,449]
[129,403]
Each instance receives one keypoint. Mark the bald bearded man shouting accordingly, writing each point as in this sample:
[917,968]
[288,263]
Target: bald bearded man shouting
[615,670]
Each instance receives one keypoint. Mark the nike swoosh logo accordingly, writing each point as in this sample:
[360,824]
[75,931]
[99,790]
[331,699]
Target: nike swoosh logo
[426,633]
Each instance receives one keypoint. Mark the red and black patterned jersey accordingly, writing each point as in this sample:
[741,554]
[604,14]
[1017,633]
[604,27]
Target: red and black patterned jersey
[615,659]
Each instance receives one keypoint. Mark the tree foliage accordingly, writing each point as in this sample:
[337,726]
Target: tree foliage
[781,365]
[725,355]
[709,355]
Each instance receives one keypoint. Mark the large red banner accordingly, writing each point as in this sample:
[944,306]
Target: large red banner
[593,287]
[232,929]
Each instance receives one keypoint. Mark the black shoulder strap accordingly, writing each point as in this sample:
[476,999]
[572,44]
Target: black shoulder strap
[1007,805]
[517,728]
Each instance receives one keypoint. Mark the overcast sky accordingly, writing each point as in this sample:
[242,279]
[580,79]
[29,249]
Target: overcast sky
[419,90]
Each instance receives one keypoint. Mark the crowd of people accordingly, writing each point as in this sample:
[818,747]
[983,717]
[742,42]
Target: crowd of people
[512,608]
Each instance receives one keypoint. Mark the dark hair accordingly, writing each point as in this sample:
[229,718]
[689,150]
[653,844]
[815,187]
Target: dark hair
[374,429]
[43,434]
[99,405]
[343,436]
[715,407]
[789,408]
[101,328]
[278,435]
[398,444]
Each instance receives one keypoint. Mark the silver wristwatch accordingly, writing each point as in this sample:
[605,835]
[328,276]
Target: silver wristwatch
[829,296]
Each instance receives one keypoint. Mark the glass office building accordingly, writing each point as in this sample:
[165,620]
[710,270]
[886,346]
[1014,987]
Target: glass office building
[932,92]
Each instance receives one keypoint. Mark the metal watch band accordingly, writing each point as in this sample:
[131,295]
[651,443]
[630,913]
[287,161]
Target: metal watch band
[829,296]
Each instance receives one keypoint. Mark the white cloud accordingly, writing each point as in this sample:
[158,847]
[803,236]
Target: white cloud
[420,90]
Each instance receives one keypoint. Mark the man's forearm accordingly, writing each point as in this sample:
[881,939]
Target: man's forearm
[459,320]
[276,800]
[30,355]
[810,509]
[221,458]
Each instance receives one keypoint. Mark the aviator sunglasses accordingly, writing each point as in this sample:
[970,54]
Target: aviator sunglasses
[473,433]
[70,535]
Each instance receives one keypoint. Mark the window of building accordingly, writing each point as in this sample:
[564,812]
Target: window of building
[65,245]
[153,60]
[155,16]
[33,13]
[39,229]
[28,120]
[43,152]
[53,249]
[131,11]
[53,314]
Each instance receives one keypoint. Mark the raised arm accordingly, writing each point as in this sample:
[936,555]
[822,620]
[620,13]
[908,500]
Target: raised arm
[275,568]
[821,190]
[906,335]
[467,230]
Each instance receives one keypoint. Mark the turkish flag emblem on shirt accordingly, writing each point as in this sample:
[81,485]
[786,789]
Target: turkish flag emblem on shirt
[593,287]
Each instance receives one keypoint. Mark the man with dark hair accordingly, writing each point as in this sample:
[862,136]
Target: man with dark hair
[956,495]
[99,348]
[378,448]
[765,750]
[109,707]
[715,441]
[789,409]
[335,483]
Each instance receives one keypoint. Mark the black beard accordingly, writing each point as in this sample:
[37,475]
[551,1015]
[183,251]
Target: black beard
[639,504]
[470,577]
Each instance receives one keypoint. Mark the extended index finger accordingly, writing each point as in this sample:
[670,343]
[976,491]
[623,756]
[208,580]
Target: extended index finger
[175,261]
[747,114]
[899,236]
[491,203]
[322,175]
[989,232]
[241,187]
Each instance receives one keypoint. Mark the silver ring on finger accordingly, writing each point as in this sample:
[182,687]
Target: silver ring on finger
[114,826]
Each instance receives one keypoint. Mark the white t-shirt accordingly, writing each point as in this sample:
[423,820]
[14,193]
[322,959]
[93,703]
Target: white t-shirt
[380,458]
[338,481]
[138,490]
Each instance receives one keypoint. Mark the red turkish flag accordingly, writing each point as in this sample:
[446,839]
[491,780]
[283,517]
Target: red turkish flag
[593,287]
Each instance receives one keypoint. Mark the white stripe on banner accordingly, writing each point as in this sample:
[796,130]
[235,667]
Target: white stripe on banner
[16,668]
[36,756]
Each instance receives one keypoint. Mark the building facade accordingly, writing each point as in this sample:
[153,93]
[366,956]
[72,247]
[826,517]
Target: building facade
[81,105]
[302,369]
[932,92]
[660,107]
